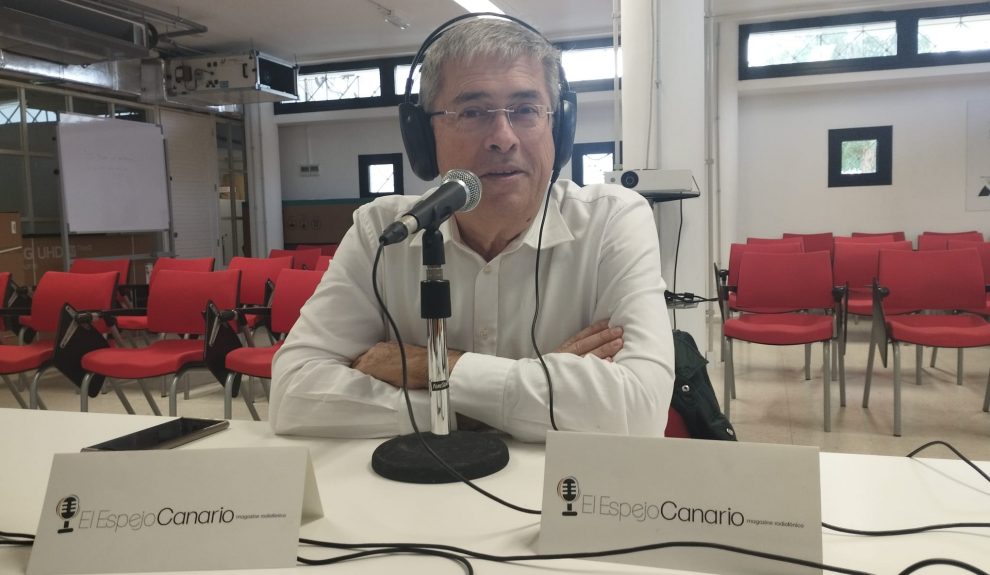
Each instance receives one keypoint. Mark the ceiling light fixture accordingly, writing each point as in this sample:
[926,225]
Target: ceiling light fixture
[479,6]
[391,16]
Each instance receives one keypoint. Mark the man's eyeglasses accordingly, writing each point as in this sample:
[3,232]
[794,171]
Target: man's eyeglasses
[475,119]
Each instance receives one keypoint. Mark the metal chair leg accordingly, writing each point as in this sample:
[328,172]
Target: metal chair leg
[228,393]
[827,384]
[959,364]
[897,388]
[84,392]
[807,362]
[149,397]
[17,394]
[919,359]
[986,396]
[729,379]
[869,372]
[934,357]
[172,390]
[35,399]
[123,398]
[842,374]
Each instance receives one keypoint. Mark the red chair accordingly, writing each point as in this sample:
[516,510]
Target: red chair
[793,282]
[855,266]
[301,259]
[822,242]
[675,425]
[258,277]
[140,322]
[293,289]
[952,280]
[983,248]
[175,306]
[787,240]
[82,291]
[940,241]
[96,266]
[323,264]
[877,239]
[898,236]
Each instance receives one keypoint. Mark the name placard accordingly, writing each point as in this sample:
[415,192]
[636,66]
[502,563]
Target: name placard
[174,510]
[607,492]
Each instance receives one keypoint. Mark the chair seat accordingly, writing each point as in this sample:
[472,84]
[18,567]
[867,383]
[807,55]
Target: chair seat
[963,330]
[253,361]
[732,306]
[133,322]
[780,329]
[18,358]
[159,358]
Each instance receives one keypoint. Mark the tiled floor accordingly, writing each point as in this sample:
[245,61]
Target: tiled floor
[774,402]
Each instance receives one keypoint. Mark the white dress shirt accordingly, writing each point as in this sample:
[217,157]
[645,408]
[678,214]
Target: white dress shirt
[600,259]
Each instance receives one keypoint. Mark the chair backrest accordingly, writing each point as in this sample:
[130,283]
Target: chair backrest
[983,248]
[935,241]
[856,264]
[323,263]
[92,266]
[785,281]
[185,264]
[83,291]
[790,240]
[293,289]
[255,273]
[178,298]
[736,252]
[301,259]
[878,239]
[932,280]
[814,242]
[898,236]
[325,249]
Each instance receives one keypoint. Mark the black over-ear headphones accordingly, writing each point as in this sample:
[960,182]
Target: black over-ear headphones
[417,132]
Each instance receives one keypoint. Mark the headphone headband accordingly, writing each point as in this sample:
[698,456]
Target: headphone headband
[417,132]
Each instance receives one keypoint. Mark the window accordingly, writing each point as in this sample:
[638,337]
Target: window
[588,64]
[860,156]
[866,41]
[380,174]
[590,161]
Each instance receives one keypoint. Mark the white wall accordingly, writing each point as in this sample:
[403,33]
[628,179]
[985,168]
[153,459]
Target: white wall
[783,160]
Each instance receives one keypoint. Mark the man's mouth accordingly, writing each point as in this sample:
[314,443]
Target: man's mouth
[501,173]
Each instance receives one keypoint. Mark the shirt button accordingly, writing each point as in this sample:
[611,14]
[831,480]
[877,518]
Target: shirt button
[487,269]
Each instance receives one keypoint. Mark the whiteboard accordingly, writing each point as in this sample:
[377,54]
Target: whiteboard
[113,175]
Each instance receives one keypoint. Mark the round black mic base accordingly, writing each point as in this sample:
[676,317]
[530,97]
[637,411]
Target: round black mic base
[473,455]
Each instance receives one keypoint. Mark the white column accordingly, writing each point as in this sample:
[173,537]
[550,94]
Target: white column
[663,126]
[264,178]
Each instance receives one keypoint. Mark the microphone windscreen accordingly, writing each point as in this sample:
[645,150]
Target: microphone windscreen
[471,182]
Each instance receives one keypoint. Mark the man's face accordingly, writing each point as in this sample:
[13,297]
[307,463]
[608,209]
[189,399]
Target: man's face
[513,162]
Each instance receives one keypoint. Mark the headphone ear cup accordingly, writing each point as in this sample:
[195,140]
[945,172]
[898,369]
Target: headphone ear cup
[417,137]
[564,127]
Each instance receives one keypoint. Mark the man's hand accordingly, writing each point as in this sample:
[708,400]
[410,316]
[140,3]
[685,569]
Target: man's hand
[383,362]
[597,339]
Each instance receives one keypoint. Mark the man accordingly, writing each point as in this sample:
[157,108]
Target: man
[490,87]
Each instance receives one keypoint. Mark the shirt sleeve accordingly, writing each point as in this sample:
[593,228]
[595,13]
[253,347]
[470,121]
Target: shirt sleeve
[314,390]
[630,395]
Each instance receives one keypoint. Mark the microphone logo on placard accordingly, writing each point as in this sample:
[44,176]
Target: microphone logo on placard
[66,509]
[568,490]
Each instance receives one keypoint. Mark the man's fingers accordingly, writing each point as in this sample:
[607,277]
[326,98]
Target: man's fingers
[607,350]
[569,345]
[604,339]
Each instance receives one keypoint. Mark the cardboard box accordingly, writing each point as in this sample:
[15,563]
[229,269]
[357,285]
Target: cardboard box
[317,222]
[11,246]
[45,253]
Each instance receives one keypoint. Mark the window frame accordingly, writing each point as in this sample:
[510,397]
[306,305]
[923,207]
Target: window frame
[907,43]
[365,161]
[581,150]
[883,135]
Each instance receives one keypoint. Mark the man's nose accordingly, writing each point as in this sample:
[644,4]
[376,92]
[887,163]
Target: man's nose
[501,136]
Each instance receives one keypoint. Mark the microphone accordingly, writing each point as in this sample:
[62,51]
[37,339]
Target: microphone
[459,192]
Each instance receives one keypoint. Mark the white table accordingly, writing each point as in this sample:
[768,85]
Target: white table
[859,491]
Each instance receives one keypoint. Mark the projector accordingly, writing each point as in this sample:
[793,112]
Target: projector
[645,181]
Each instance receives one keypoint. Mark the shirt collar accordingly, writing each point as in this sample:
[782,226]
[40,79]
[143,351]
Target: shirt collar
[555,231]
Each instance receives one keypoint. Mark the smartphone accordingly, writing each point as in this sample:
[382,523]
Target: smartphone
[163,436]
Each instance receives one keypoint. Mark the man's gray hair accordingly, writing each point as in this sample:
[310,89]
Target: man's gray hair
[505,40]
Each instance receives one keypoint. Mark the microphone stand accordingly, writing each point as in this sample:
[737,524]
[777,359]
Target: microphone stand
[473,455]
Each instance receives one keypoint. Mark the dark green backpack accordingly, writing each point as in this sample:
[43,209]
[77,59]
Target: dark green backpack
[694,398]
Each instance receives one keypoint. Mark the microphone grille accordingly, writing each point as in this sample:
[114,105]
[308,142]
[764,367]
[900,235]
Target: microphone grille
[471,182]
